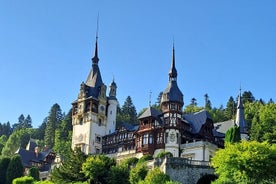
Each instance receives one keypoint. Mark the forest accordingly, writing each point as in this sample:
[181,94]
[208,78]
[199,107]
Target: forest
[56,129]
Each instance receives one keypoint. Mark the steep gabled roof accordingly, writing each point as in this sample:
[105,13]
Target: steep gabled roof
[150,112]
[30,156]
[197,119]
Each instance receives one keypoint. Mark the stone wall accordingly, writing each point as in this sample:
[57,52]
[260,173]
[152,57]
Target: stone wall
[183,170]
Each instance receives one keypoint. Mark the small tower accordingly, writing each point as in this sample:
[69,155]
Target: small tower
[171,105]
[240,120]
[112,108]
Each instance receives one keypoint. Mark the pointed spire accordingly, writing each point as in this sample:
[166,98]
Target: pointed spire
[240,120]
[95,59]
[173,72]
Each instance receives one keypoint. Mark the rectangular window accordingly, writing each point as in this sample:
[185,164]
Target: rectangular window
[150,139]
[167,136]
[145,139]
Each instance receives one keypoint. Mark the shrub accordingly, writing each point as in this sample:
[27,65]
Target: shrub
[23,180]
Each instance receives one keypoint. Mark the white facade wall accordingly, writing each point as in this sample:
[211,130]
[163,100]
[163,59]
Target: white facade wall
[111,116]
[200,150]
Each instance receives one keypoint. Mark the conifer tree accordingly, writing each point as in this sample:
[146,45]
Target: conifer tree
[15,169]
[53,121]
[233,135]
[70,169]
[128,112]
[4,163]
[230,108]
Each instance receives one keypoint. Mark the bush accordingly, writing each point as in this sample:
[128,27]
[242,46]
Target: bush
[145,158]
[34,172]
[23,180]
[44,182]
[164,154]
[4,163]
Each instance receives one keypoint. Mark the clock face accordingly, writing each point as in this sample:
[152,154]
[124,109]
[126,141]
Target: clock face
[102,108]
[172,137]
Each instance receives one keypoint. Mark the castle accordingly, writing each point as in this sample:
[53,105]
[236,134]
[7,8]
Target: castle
[192,136]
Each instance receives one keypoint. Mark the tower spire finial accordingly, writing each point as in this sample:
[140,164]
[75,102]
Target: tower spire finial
[173,72]
[95,59]
[150,98]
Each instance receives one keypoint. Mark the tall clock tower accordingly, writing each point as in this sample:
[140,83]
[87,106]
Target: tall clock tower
[171,105]
[94,113]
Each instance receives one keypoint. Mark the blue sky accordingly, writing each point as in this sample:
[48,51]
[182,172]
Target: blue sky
[46,49]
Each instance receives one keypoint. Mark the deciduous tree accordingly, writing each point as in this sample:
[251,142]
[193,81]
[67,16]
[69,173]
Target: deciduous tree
[97,168]
[246,162]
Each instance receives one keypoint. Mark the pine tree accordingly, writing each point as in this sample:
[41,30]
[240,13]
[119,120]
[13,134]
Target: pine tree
[53,121]
[15,169]
[208,105]
[128,111]
[70,169]
[4,163]
[230,108]
[27,122]
[63,136]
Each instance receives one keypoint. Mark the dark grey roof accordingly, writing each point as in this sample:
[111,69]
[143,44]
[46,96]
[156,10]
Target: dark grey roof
[222,127]
[172,93]
[94,81]
[197,119]
[150,112]
[130,127]
[30,156]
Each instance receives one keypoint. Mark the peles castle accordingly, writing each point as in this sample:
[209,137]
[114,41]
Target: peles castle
[192,136]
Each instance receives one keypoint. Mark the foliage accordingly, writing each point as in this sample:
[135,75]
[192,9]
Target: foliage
[246,162]
[127,113]
[63,135]
[247,96]
[208,105]
[3,140]
[164,154]
[34,173]
[119,174]
[96,168]
[15,169]
[44,182]
[155,176]
[263,126]
[207,179]
[130,162]
[138,173]
[230,109]
[5,129]
[218,114]
[69,170]
[23,180]
[19,138]
[23,122]
[145,158]
[4,163]
[54,119]
[192,109]
[40,131]
[233,135]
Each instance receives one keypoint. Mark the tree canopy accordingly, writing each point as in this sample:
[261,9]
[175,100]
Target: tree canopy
[246,162]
